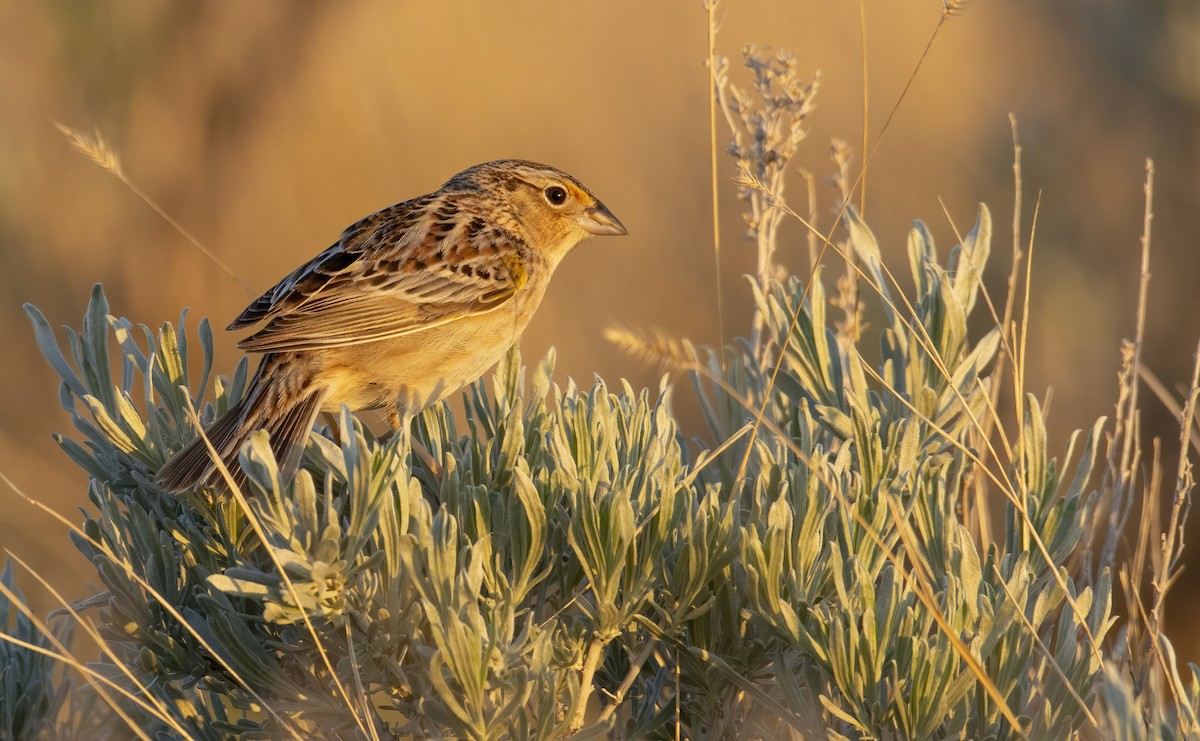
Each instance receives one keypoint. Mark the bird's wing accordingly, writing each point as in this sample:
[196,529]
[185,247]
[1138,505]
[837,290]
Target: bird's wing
[417,265]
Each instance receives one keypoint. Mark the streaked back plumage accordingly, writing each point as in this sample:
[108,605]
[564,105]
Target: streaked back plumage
[410,303]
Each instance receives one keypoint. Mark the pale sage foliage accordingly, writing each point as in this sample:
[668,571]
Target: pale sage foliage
[581,567]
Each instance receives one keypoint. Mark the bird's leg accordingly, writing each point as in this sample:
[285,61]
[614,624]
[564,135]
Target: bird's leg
[427,458]
[397,423]
[335,430]
[394,420]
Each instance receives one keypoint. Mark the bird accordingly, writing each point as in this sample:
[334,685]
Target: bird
[410,304]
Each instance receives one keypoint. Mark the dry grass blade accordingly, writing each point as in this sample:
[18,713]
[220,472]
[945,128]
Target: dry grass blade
[1018,499]
[1051,662]
[366,727]
[921,588]
[85,671]
[1168,400]
[866,100]
[100,681]
[94,148]
[98,151]
[916,328]
[159,710]
[162,601]
[1006,331]
[706,457]
[1125,451]
[1142,560]
[747,179]
[1172,544]
[919,580]
[654,346]
[714,74]
[951,8]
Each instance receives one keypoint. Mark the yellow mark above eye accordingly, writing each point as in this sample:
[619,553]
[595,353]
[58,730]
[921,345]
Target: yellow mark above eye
[578,194]
[516,269]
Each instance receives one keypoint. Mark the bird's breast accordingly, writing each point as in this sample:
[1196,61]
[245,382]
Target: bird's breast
[417,370]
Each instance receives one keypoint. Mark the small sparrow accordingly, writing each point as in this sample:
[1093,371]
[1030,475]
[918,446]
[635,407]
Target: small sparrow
[411,304]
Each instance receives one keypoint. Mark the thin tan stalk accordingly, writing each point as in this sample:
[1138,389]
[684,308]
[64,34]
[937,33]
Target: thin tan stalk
[711,7]
[98,678]
[1173,538]
[866,100]
[162,601]
[1005,324]
[920,579]
[368,729]
[1019,500]
[98,151]
[1168,400]
[635,669]
[1126,439]
[65,656]
[1050,660]
[159,710]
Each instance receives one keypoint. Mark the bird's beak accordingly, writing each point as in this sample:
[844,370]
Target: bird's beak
[600,221]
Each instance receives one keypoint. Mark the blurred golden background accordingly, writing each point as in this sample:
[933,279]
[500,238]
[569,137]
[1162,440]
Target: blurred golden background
[267,127]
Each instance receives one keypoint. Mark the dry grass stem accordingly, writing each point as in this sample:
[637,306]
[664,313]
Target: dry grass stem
[716,67]
[98,151]
[951,8]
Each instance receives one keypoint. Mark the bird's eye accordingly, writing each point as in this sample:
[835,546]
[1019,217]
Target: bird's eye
[556,195]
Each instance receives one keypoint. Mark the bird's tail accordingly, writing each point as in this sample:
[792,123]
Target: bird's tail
[278,401]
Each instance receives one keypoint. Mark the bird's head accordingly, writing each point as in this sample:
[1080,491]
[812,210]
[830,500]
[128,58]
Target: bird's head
[556,210]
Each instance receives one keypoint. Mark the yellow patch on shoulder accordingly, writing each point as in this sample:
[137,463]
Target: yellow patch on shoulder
[516,269]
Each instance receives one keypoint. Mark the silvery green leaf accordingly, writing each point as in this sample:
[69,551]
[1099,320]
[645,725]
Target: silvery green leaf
[239,587]
[967,261]
[50,350]
[867,249]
